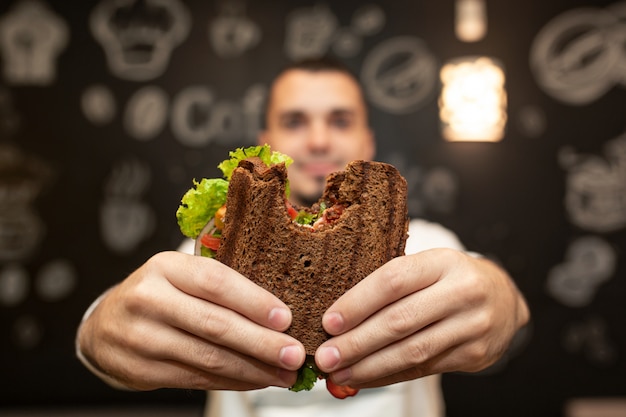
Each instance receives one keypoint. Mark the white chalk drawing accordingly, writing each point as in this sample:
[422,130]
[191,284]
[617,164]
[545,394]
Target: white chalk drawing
[22,179]
[146,113]
[228,122]
[253,102]
[595,197]
[191,116]
[590,337]
[139,36]
[434,190]
[14,284]
[347,43]
[198,118]
[579,55]
[56,280]
[22,229]
[440,190]
[589,262]
[368,20]
[232,33]
[400,75]
[98,104]
[413,174]
[126,220]
[31,38]
[309,31]
[619,11]
[314,31]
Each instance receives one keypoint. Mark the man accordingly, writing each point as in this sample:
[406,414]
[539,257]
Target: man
[181,321]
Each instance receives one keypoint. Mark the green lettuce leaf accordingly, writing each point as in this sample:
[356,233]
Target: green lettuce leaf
[305,218]
[199,205]
[308,375]
[263,152]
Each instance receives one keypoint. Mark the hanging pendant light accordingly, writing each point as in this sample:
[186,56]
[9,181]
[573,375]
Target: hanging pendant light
[473,100]
[470,23]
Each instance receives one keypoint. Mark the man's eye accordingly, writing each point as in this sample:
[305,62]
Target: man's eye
[292,122]
[341,122]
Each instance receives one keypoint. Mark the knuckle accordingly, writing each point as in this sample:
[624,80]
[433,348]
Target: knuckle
[210,280]
[140,296]
[214,325]
[419,353]
[484,322]
[477,356]
[400,320]
[212,361]
[473,288]
[392,281]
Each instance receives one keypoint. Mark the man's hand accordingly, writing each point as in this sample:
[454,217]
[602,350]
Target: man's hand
[432,312]
[182,321]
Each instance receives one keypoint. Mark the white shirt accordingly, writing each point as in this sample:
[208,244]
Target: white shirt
[418,398]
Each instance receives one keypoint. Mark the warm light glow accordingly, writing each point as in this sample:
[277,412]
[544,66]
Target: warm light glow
[470,20]
[472,105]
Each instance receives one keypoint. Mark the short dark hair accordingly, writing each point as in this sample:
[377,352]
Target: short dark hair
[316,64]
[324,63]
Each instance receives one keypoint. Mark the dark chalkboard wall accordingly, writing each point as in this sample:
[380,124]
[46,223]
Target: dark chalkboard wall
[108,109]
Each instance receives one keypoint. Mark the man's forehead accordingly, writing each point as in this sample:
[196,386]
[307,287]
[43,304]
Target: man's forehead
[305,91]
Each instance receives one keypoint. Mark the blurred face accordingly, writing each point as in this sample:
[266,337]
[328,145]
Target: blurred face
[320,120]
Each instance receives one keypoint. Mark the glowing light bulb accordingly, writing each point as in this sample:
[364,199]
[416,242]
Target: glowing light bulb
[470,20]
[472,104]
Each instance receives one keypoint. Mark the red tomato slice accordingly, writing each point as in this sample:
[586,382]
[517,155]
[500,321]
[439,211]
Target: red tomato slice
[292,211]
[210,242]
[340,391]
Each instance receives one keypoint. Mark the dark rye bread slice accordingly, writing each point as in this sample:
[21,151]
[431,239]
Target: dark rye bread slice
[308,270]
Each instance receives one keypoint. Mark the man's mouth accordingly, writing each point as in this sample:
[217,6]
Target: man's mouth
[320,169]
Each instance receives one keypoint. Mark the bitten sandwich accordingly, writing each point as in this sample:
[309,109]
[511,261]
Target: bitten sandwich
[306,256]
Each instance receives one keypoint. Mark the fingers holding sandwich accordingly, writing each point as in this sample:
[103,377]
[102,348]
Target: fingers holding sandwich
[418,315]
[381,314]
[189,326]
[396,279]
[215,282]
[229,310]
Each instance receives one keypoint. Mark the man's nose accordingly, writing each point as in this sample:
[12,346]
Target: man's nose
[319,136]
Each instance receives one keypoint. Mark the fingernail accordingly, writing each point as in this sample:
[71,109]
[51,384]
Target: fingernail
[279,318]
[291,357]
[328,358]
[333,323]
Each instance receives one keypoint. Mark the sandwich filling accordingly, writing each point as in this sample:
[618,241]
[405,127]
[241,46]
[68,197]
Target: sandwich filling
[202,212]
